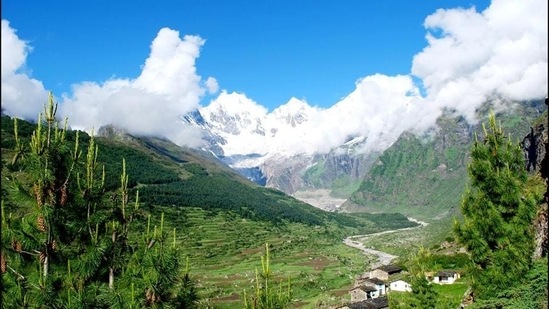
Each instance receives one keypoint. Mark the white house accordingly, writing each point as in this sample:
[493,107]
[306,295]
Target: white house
[378,284]
[400,285]
[446,277]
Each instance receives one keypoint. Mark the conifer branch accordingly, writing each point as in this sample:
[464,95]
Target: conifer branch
[15,272]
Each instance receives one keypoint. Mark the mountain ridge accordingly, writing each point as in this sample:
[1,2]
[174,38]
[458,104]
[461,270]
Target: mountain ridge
[424,177]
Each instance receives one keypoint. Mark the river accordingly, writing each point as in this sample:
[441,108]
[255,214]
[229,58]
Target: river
[384,258]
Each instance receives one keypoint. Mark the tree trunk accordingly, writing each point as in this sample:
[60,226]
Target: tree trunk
[111,278]
[46,266]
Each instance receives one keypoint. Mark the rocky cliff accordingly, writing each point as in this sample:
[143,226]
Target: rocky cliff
[340,172]
[535,146]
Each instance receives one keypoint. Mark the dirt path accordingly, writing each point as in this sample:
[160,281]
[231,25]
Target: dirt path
[384,258]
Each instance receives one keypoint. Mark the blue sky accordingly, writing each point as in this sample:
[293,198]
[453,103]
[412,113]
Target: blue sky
[270,50]
[368,68]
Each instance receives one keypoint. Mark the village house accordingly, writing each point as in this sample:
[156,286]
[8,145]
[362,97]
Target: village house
[378,284]
[376,303]
[371,288]
[400,285]
[446,277]
[385,271]
[363,293]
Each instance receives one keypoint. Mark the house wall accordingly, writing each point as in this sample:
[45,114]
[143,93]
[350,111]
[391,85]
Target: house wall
[401,286]
[381,289]
[445,280]
[358,294]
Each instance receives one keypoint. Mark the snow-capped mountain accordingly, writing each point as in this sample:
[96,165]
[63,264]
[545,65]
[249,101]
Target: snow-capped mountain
[298,147]
[278,149]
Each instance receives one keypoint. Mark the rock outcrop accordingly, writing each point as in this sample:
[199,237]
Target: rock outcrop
[535,146]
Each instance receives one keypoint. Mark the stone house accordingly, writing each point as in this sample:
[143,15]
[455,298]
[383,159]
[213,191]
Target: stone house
[363,293]
[385,271]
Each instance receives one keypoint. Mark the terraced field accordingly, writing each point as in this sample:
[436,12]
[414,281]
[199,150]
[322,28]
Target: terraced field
[224,250]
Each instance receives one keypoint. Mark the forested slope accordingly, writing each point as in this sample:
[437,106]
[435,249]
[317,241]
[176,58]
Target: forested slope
[424,176]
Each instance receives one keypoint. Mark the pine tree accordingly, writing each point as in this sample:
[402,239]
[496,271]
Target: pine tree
[38,240]
[267,295]
[423,293]
[498,210]
[75,248]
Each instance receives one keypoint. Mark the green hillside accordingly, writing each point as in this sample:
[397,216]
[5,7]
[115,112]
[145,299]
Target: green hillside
[221,220]
[424,177]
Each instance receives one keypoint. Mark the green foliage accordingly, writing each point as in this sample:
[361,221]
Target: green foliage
[267,295]
[416,177]
[498,210]
[343,186]
[425,294]
[146,172]
[306,242]
[456,261]
[220,192]
[531,292]
[71,248]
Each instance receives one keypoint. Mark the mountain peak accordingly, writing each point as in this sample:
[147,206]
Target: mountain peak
[234,113]
[294,112]
[234,103]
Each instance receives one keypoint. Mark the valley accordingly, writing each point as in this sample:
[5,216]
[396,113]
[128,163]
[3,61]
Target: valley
[221,220]
[274,155]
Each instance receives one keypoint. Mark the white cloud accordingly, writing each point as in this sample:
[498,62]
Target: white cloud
[22,96]
[211,85]
[381,108]
[14,50]
[472,55]
[170,69]
[469,57]
[151,104]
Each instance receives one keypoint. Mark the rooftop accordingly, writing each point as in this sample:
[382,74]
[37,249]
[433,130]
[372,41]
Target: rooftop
[374,303]
[365,288]
[391,268]
[375,281]
[446,273]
